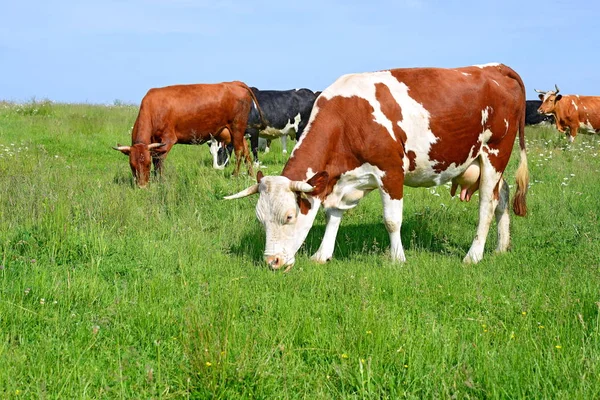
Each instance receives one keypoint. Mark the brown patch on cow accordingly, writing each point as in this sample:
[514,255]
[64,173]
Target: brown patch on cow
[390,109]
[342,137]
[412,159]
[303,203]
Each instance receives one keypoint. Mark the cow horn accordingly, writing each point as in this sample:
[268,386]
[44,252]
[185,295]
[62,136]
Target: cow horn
[540,91]
[246,192]
[557,89]
[155,145]
[299,186]
[122,148]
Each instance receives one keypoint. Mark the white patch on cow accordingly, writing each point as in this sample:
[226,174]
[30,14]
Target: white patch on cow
[313,115]
[577,95]
[506,123]
[587,126]
[273,133]
[574,105]
[496,82]
[485,113]
[352,186]
[465,74]
[487,65]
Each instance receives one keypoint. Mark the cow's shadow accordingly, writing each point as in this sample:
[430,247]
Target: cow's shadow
[359,239]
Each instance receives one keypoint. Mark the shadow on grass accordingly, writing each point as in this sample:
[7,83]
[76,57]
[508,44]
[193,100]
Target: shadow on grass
[359,239]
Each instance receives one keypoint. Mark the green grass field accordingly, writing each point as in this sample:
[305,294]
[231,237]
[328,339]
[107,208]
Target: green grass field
[108,291]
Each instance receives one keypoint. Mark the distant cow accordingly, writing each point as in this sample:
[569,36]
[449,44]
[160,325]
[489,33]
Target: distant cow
[386,129]
[189,114]
[533,117]
[571,111]
[286,113]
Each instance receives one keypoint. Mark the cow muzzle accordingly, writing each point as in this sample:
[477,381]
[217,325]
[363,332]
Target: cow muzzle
[277,261]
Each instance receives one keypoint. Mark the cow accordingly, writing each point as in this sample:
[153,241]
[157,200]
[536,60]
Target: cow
[571,111]
[419,127]
[189,114]
[533,117]
[286,113]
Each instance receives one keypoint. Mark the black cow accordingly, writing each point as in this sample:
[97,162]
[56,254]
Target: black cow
[286,113]
[532,117]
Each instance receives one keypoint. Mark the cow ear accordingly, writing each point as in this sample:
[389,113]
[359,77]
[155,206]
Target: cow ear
[259,176]
[558,97]
[318,182]
[541,96]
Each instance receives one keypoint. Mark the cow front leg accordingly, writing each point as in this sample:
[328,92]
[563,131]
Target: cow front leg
[573,128]
[502,217]
[487,204]
[392,218]
[334,218]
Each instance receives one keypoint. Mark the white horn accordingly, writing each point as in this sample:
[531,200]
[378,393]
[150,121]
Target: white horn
[246,192]
[540,91]
[299,186]
[122,148]
[155,145]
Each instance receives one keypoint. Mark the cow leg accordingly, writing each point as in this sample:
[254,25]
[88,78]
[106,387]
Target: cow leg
[158,157]
[489,178]
[253,132]
[268,145]
[284,143]
[502,217]
[573,128]
[392,219]
[325,252]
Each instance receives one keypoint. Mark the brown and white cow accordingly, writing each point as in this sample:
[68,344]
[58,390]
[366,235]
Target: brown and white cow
[571,111]
[189,114]
[383,130]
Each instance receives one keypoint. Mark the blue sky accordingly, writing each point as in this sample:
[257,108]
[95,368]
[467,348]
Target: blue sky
[105,50]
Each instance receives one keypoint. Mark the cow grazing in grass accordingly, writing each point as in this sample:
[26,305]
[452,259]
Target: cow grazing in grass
[533,117]
[571,111]
[383,130]
[189,114]
[286,113]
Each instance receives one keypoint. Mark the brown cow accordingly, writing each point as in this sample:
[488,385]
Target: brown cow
[571,111]
[189,114]
[383,130]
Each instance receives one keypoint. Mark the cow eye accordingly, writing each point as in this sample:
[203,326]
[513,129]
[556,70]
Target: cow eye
[289,218]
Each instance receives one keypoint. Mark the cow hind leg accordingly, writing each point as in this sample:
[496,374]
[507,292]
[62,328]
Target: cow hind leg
[392,218]
[502,217]
[334,218]
[489,178]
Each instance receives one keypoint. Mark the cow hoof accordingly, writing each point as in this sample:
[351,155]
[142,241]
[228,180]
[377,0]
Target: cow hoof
[320,259]
[471,259]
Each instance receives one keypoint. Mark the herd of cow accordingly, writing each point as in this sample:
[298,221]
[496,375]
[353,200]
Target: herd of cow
[382,130]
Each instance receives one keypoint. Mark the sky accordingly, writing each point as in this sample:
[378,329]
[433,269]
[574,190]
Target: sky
[107,51]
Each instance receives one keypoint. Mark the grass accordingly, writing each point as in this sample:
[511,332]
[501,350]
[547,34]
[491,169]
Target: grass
[108,291]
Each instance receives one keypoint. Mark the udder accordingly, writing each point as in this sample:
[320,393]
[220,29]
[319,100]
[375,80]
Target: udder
[468,182]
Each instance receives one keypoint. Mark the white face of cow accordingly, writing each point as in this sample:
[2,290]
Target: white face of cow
[286,226]
[287,211]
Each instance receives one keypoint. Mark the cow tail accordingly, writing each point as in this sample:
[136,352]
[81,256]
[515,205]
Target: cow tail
[263,121]
[522,175]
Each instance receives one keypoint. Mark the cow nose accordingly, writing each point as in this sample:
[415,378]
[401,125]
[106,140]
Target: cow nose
[274,262]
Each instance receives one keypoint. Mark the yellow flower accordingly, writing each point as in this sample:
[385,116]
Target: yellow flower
[405,365]
[541,326]
[369,332]
[344,355]
[558,346]
[362,360]
[208,363]
[512,335]
[524,313]
[17,392]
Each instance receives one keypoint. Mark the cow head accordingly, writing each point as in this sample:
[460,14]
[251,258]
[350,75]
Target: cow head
[549,100]
[140,160]
[219,152]
[287,210]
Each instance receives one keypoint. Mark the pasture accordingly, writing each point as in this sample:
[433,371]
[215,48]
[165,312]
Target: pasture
[109,291]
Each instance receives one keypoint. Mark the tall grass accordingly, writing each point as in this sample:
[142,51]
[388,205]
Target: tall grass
[108,291]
